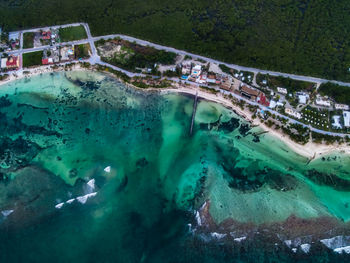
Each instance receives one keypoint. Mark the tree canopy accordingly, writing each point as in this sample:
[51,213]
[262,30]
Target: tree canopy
[310,37]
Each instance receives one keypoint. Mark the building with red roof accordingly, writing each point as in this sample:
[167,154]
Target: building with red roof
[12,62]
[263,100]
[46,35]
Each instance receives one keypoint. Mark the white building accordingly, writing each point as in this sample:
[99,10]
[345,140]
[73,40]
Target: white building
[303,98]
[3,62]
[341,106]
[346,116]
[322,102]
[282,90]
[336,122]
[293,113]
[196,71]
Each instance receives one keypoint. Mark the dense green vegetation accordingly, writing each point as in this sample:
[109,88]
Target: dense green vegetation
[133,56]
[309,37]
[290,84]
[72,33]
[32,59]
[28,40]
[81,51]
[340,94]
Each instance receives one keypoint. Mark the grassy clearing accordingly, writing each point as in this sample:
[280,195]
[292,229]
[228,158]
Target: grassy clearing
[72,33]
[32,59]
[28,40]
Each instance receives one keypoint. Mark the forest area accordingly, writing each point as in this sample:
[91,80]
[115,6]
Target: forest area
[309,37]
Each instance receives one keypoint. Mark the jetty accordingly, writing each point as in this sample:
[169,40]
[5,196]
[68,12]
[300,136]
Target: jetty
[194,112]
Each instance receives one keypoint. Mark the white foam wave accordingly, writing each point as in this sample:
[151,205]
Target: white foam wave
[91,184]
[340,250]
[239,239]
[70,201]
[6,213]
[217,235]
[305,248]
[198,218]
[84,198]
[336,242]
[59,206]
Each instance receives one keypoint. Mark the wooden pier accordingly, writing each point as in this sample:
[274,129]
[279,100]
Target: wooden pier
[194,112]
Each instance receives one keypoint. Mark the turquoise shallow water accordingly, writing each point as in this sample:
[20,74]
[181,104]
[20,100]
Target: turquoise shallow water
[134,179]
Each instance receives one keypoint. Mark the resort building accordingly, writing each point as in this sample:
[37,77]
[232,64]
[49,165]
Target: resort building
[293,113]
[303,97]
[226,83]
[11,62]
[263,100]
[338,106]
[3,63]
[346,116]
[196,71]
[282,90]
[322,102]
[336,122]
[211,78]
[249,92]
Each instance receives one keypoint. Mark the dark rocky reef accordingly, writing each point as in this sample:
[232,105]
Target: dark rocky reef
[15,154]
